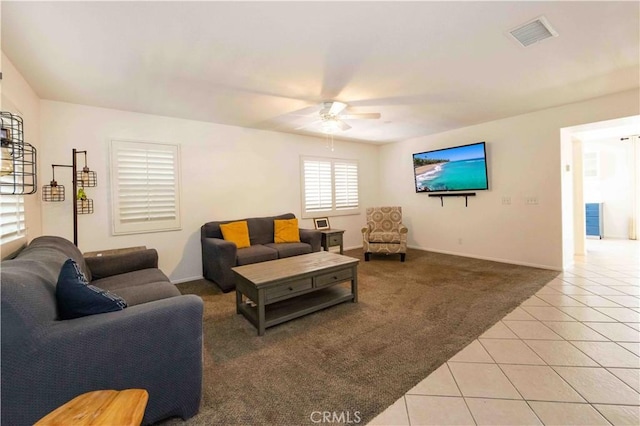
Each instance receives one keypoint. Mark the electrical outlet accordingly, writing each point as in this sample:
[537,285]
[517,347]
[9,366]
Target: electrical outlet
[506,200]
[531,200]
[459,240]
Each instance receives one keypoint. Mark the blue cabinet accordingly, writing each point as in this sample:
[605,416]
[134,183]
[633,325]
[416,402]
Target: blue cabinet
[593,213]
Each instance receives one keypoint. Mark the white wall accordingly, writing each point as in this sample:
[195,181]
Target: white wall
[612,186]
[231,172]
[524,160]
[227,173]
[18,97]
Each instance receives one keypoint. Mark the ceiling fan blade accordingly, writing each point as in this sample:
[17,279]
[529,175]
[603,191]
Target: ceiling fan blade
[310,111]
[342,125]
[304,126]
[336,108]
[355,116]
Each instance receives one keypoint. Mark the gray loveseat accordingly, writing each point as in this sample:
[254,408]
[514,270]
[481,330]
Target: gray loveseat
[219,256]
[154,344]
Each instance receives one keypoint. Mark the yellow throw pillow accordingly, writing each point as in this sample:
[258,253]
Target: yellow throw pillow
[236,232]
[286,231]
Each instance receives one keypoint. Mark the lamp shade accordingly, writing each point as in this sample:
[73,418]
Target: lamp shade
[86,178]
[53,192]
[85,206]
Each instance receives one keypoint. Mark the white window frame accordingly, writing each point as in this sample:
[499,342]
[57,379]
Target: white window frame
[145,222]
[328,174]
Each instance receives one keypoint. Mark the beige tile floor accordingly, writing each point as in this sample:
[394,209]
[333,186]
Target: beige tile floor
[569,355]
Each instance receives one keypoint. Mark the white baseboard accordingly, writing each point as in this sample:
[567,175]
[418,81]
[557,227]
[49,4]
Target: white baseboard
[492,259]
[184,280]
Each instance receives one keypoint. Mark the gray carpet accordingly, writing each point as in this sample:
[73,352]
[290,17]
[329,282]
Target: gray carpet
[411,317]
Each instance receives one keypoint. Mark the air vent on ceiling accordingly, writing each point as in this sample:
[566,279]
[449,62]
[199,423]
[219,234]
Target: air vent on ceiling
[533,32]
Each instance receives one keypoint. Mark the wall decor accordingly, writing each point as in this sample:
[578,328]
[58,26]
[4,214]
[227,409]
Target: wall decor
[17,158]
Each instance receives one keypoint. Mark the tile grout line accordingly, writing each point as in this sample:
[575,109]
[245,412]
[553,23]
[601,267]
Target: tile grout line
[608,340]
[586,324]
[555,372]
[406,408]
[460,390]
[622,381]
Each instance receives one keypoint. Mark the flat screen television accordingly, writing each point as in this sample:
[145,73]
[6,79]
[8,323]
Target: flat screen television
[459,168]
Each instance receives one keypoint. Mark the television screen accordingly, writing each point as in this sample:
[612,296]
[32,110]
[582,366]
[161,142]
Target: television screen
[460,168]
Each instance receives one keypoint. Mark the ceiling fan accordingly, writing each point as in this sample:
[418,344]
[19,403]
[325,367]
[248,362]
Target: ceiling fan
[332,114]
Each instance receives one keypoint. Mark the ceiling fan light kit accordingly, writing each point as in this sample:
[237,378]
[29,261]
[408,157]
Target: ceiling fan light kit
[331,117]
[335,107]
[332,125]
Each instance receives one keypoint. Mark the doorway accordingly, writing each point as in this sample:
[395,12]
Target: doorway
[601,163]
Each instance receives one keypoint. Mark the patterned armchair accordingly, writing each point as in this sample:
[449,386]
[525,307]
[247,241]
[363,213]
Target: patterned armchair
[384,232]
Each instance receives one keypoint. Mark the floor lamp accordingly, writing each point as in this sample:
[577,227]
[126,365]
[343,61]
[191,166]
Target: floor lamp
[84,178]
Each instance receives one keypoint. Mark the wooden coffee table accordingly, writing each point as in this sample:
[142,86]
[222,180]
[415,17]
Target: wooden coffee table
[100,408]
[284,289]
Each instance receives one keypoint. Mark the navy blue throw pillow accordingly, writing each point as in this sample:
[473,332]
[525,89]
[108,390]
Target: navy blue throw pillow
[77,298]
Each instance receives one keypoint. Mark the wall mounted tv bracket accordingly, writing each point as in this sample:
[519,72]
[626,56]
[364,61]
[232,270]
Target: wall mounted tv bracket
[466,196]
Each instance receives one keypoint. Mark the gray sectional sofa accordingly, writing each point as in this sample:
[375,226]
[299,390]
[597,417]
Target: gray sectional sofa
[154,344]
[219,256]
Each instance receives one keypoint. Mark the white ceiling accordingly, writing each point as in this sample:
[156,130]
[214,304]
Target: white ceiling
[426,67]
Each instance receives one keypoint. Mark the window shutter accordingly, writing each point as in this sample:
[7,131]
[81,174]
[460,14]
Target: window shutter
[346,185]
[12,221]
[317,185]
[590,164]
[146,187]
[329,186]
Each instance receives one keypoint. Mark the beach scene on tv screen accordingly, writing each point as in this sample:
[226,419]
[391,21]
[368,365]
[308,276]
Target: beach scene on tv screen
[454,169]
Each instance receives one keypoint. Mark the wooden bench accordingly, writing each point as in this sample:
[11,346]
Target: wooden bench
[100,408]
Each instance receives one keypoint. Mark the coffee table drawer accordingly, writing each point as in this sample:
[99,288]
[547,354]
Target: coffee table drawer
[334,277]
[288,288]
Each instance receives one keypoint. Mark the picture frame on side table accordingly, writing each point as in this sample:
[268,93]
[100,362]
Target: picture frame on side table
[321,223]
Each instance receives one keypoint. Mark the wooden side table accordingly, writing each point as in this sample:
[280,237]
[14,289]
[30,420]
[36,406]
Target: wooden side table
[100,408]
[332,238]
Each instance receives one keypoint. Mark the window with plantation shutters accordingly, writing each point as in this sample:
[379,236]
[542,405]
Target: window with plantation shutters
[12,225]
[317,186]
[146,187]
[329,187]
[346,185]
